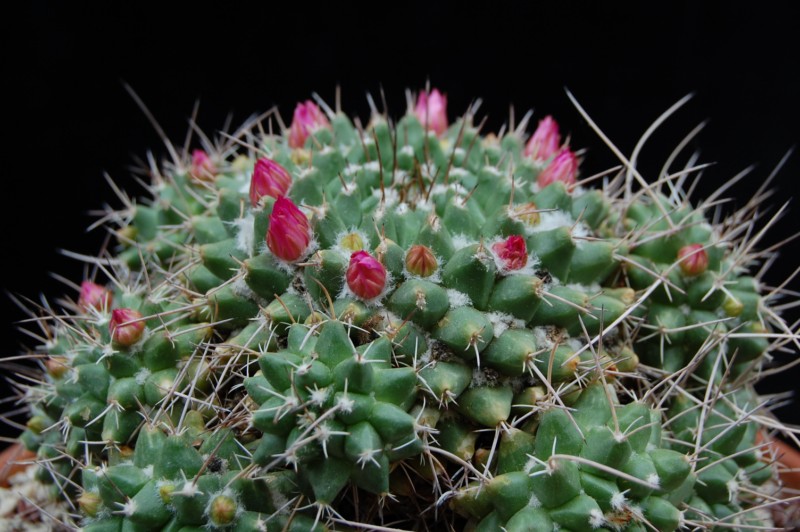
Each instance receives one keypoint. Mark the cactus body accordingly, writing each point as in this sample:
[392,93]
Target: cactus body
[411,315]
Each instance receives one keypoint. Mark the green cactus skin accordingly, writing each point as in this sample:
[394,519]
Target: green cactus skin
[597,378]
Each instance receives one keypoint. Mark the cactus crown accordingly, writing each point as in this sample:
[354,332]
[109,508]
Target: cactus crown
[410,325]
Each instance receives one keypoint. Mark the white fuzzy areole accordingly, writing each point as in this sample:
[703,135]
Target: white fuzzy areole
[596,518]
[542,338]
[240,288]
[502,322]
[458,299]
[461,240]
[352,169]
[534,501]
[141,376]
[618,501]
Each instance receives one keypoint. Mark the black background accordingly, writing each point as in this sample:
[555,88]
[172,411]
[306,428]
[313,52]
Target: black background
[68,118]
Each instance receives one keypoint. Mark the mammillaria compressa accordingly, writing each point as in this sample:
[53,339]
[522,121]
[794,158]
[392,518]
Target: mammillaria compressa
[409,325]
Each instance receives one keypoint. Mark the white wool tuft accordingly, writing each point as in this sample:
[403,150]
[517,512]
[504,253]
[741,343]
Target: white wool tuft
[618,501]
[458,299]
[141,376]
[534,501]
[596,518]
[551,220]
[461,241]
[502,322]
[588,289]
[543,340]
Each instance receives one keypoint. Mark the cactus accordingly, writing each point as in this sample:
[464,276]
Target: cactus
[410,326]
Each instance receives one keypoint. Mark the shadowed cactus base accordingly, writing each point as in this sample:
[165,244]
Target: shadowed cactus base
[410,326]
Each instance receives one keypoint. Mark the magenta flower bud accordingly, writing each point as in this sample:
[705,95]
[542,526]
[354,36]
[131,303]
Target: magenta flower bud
[269,179]
[94,296]
[431,110]
[307,119]
[512,252]
[289,232]
[366,276]
[203,168]
[563,168]
[693,259]
[126,326]
[545,140]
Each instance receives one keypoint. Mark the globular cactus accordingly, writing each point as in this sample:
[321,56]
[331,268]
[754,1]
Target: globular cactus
[410,326]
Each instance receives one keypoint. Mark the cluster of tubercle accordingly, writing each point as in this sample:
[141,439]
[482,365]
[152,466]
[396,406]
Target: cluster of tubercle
[325,328]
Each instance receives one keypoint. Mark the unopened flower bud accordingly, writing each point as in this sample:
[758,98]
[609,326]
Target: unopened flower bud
[431,111]
[545,140]
[732,307]
[269,179]
[202,168]
[37,424]
[126,326]
[421,261]
[95,296]
[366,277]
[56,367]
[222,510]
[289,232]
[165,492]
[307,118]
[89,503]
[352,242]
[564,168]
[693,259]
[527,213]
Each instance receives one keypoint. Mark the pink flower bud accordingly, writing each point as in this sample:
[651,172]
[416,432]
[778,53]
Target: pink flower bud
[693,259]
[545,140]
[366,277]
[94,296]
[511,252]
[269,179]
[126,326]
[289,232]
[431,110]
[307,119]
[563,168]
[421,261]
[203,168]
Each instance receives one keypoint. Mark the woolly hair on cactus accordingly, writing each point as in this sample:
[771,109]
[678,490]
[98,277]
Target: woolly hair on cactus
[411,326]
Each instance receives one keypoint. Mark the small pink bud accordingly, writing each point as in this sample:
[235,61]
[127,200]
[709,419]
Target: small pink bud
[545,140]
[94,296]
[203,168]
[126,326]
[366,277]
[307,119]
[563,168]
[421,261]
[512,252]
[693,259]
[289,232]
[269,179]
[431,110]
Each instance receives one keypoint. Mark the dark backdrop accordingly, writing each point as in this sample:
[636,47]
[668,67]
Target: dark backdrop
[68,118]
